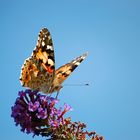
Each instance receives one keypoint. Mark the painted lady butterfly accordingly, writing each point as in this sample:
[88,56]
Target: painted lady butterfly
[38,71]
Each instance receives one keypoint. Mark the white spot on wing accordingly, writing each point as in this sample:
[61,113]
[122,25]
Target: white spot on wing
[49,37]
[74,61]
[50,62]
[77,63]
[49,47]
[43,43]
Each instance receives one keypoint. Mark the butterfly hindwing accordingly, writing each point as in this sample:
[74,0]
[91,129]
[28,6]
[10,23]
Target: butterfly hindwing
[38,70]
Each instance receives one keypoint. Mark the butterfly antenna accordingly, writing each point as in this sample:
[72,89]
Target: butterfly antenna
[57,95]
[85,84]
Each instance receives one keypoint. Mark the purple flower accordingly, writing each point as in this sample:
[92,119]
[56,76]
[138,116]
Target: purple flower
[33,106]
[58,112]
[42,113]
[16,109]
[52,101]
[55,123]
[35,112]
[21,93]
[67,107]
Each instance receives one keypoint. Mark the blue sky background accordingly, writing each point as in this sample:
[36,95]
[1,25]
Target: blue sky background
[108,29]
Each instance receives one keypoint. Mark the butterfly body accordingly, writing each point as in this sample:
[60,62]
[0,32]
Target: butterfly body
[38,71]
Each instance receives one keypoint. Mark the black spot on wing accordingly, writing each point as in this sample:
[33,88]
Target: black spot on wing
[44,48]
[65,74]
[49,51]
[52,67]
[73,67]
[51,57]
[81,60]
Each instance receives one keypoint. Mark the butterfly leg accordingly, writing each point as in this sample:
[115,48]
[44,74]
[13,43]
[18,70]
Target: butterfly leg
[58,90]
[57,94]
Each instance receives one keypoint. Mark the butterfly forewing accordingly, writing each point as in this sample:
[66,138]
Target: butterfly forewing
[38,70]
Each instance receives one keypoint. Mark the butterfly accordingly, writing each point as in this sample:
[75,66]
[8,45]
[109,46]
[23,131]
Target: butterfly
[38,71]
